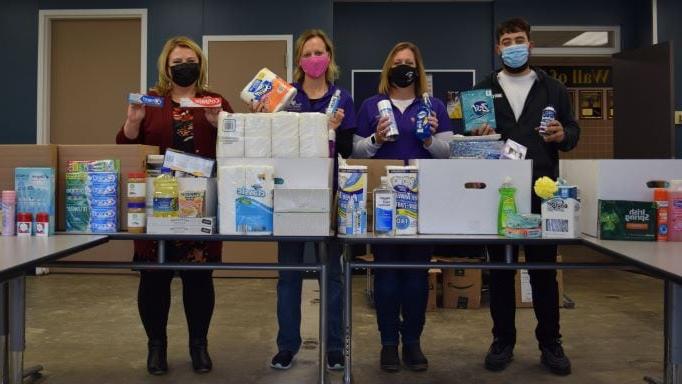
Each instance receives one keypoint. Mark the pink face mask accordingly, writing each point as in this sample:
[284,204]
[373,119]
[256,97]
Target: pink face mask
[315,66]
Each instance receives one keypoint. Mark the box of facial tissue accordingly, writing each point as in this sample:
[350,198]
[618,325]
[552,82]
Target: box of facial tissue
[478,109]
[35,189]
[560,218]
[405,183]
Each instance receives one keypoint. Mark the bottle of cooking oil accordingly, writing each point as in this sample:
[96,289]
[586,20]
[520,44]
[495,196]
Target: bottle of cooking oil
[166,194]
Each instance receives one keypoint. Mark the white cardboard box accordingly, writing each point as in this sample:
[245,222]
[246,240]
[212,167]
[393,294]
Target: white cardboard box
[301,224]
[302,200]
[614,180]
[181,225]
[560,218]
[293,173]
[449,203]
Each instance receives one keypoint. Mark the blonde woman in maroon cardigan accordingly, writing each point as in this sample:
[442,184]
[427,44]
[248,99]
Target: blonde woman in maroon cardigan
[182,73]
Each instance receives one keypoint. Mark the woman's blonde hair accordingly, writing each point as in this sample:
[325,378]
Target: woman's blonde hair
[385,83]
[165,83]
[333,69]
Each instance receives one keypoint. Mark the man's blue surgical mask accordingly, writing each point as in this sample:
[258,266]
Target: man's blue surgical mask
[515,57]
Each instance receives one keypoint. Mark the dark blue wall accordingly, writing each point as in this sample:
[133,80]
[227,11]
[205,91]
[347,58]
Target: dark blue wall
[166,18]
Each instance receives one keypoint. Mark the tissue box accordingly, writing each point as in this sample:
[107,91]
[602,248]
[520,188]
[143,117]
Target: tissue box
[478,109]
[181,225]
[302,223]
[461,196]
[303,200]
[35,188]
[560,218]
[615,180]
[185,162]
[627,220]
[292,173]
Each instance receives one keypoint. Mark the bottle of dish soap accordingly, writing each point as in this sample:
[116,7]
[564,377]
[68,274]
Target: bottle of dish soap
[507,205]
[166,194]
[384,209]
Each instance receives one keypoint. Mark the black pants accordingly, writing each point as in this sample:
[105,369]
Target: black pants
[154,297]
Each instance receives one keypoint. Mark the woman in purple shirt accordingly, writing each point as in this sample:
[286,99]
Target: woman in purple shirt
[314,75]
[401,292]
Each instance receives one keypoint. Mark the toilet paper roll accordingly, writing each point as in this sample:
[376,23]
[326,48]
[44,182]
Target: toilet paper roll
[258,147]
[258,125]
[313,135]
[230,180]
[230,142]
[285,140]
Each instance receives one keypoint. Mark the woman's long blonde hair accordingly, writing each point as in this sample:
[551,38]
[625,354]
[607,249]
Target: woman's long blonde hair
[420,85]
[333,69]
[165,83]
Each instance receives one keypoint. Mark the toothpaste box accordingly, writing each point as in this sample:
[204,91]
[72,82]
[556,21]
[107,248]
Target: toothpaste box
[405,183]
[627,220]
[35,189]
[478,109]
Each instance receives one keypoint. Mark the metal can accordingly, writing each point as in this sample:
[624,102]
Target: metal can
[548,114]
[386,110]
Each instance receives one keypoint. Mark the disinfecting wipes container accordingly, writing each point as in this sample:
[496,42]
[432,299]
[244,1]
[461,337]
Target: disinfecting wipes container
[405,183]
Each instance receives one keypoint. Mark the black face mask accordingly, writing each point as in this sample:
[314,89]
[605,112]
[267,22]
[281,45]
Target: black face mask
[402,75]
[185,74]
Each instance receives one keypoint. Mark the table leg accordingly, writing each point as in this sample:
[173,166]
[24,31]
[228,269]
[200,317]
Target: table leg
[3,333]
[347,313]
[162,251]
[508,253]
[673,333]
[17,295]
[323,310]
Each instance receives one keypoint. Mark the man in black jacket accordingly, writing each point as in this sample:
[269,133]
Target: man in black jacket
[520,94]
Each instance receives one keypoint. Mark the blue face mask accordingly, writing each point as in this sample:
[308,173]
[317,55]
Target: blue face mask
[515,56]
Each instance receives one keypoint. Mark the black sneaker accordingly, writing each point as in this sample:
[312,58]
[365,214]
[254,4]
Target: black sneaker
[282,360]
[335,360]
[499,356]
[390,362]
[414,359]
[553,357]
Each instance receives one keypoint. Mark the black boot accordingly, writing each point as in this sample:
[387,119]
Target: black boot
[198,351]
[156,357]
[390,362]
[554,358]
[413,358]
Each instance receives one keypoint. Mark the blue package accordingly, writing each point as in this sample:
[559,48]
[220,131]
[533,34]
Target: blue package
[103,190]
[476,147]
[103,226]
[104,202]
[35,189]
[95,178]
[478,109]
[99,214]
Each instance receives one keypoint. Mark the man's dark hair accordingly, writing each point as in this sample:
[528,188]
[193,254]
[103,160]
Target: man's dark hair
[512,26]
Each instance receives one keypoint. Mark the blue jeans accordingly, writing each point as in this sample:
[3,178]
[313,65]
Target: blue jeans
[401,292]
[289,298]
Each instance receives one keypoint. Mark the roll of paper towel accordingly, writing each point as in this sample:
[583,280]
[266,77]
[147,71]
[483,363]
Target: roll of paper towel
[246,199]
[230,141]
[285,141]
[258,135]
[405,182]
[273,91]
[230,179]
[313,135]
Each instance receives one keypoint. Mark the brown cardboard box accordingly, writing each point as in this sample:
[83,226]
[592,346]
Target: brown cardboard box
[132,158]
[375,169]
[524,298]
[248,252]
[26,155]
[432,303]
[461,287]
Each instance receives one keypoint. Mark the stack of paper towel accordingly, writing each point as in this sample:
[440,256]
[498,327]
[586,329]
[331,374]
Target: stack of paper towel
[279,135]
[245,199]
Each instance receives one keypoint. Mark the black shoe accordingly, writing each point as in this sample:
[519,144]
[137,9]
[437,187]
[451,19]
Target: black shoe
[413,358]
[157,363]
[335,360]
[282,360]
[390,362]
[499,356]
[198,351]
[553,357]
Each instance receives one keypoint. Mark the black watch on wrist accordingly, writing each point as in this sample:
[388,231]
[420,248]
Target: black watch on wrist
[373,139]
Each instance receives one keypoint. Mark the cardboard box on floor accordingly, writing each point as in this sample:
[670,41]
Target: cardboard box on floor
[375,169]
[461,287]
[432,303]
[24,155]
[132,158]
[524,292]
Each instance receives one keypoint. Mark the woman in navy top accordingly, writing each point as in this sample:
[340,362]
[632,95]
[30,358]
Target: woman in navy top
[401,292]
[315,73]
